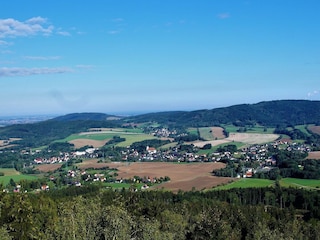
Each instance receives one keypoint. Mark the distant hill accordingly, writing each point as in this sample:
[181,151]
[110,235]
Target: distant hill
[86,117]
[270,113]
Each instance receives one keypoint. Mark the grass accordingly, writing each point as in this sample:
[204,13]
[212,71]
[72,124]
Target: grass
[193,131]
[246,183]
[15,175]
[296,182]
[134,138]
[284,182]
[122,185]
[303,128]
[206,133]
[130,136]
[256,129]
[238,145]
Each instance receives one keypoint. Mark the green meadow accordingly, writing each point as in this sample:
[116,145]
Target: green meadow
[296,182]
[15,175]
[246,183]
[284,182]
[130,136]
[256,129]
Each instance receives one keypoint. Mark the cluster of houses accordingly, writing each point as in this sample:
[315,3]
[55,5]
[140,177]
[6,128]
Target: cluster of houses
[65,156]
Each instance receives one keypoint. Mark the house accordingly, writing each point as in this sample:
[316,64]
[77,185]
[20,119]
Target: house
[151,150]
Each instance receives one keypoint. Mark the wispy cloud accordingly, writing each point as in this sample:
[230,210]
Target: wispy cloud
[11,72]
[82,66]
[223,15]
[64,33]
[43,58]
[13,28]
[5,43]
[114,32]
[313,93]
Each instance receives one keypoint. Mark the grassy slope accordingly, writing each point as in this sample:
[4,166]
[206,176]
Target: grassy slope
[15,175]
[284,182]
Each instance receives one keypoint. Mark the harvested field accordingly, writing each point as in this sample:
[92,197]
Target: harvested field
[81,142]
[217,132]
[7,143]
[48,167]
[248,138]
[314,129]
[183,176]
[314,155]
[93,163]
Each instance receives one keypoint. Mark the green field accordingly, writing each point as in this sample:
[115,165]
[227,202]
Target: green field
[15,175]
[238,144]
[122,185]
[296,182]
[193,131]
[206,133]
[284,182]
[256,129]
[247,183]
[130,136]
[303,128]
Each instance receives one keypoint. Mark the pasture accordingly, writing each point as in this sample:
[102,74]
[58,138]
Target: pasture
[284,182]
[254,129]
[300,183]
[15,175]
[100,138]
[246,183]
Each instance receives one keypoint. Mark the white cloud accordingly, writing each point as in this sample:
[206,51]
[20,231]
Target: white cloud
[11,72]
[81,66]
[42,57]
[113,32]
[5,43]
[311,94]
[64,33]
[13,28]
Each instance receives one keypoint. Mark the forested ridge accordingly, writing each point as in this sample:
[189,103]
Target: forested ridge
[93,213]
[278,114]
[269,113]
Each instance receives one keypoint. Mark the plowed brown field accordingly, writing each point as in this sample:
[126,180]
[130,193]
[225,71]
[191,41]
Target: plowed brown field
[48,167]
[183,176]
[314,155]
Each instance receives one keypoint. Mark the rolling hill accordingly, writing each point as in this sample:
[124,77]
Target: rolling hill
[270,113]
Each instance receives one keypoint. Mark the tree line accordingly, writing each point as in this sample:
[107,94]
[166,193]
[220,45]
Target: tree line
[93,213]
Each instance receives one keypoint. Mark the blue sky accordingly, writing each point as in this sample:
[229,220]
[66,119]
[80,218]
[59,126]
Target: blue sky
[134,56]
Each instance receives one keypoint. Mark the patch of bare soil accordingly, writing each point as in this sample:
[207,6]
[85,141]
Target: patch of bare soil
[78,143]
[314,155]
[48,167]
[93,163]
[314,129]
[217,132]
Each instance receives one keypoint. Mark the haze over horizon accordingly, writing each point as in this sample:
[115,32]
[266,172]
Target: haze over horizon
[59,57]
